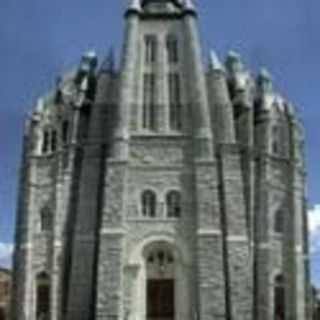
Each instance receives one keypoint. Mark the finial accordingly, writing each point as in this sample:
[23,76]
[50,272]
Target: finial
[265,74]
[135,5]
[215,63]
[290,108]
[89,61]
[91,54]
[108,64]
[265,81]
[233,55]
[233,62]
[189,6]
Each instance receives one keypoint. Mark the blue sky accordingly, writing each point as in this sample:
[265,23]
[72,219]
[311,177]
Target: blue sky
[41,39]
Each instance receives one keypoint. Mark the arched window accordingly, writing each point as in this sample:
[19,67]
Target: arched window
[150,41]
[54,140]
[45,142]
[175,101]
[278,221]
[173,203]
[276,138]
[149,204]
[279,298]
[43,296]
[172,49]
[65,131]
[45,219]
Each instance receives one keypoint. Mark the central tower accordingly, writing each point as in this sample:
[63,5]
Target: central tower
[160,251]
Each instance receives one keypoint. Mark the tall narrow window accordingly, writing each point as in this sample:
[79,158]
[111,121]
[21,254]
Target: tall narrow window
[173,204]
[149,121]
[172,49]
[43,296]
[279,298]
[65,131]
[175,102]
[149,204]
[45,219]
[45,142]
[279,222]
[150,48]
[276,138]
[54,140]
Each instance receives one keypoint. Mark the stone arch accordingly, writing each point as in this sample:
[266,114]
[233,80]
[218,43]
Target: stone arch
[177,278]
[179,247]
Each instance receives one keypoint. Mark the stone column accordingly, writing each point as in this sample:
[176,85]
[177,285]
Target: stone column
[296,277]
[23,287]
[262,250]
[237,255]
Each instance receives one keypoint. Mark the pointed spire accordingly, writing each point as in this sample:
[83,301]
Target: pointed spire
[215,63]
[108,65]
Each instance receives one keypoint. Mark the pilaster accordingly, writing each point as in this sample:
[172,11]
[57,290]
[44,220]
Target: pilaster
[237,248]
[198,90]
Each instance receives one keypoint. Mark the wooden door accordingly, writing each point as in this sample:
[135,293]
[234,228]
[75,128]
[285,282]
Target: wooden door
[160,299]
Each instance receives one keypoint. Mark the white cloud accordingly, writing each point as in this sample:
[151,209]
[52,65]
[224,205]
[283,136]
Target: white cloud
[6,250]
[314,229]
[314,219]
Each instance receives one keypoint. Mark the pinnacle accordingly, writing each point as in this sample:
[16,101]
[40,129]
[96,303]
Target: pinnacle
[233,55]
[265,74]
[189,5]
[215,63]
[91,54]
[135,5]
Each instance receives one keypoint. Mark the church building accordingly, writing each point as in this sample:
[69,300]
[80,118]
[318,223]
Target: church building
[169,188]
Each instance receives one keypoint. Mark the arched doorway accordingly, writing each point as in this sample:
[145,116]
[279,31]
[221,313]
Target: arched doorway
[159,279]
[160,283]
[43,296]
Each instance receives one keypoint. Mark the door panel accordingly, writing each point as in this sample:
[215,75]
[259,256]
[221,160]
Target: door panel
[160,299]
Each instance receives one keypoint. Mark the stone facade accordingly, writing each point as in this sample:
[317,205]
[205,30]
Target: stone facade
[5,293]
[166,179]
